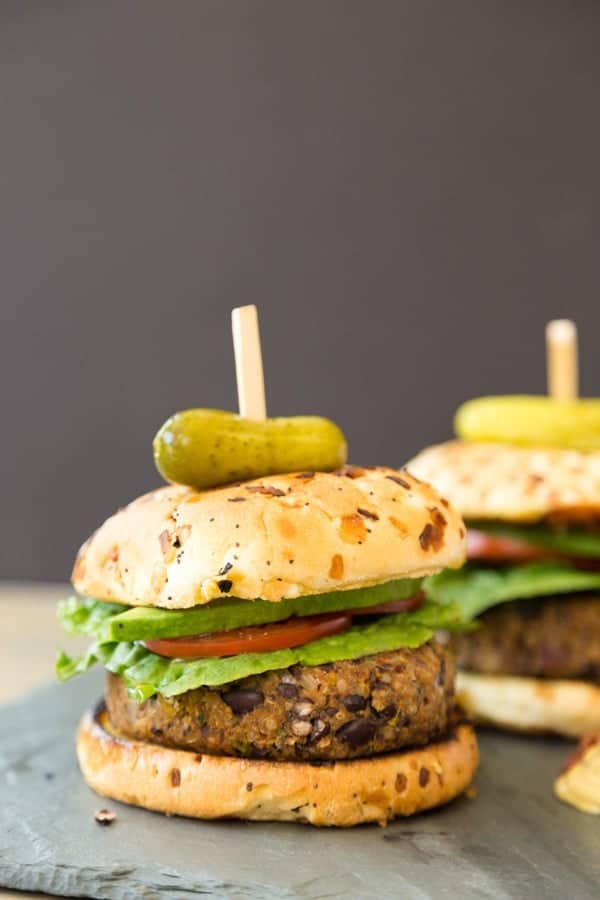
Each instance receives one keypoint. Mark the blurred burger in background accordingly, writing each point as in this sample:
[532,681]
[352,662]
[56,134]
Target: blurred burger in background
[525,475]
[532,579]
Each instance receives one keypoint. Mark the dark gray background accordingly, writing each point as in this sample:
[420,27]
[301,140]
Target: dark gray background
[408,190]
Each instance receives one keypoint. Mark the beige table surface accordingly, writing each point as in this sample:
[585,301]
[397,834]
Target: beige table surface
[29,638]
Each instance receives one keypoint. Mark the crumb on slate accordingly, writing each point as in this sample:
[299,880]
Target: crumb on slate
[104,817]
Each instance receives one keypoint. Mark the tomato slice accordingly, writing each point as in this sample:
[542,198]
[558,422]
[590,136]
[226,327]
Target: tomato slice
[277,636]
[254,639]
[392,606]
[494,548]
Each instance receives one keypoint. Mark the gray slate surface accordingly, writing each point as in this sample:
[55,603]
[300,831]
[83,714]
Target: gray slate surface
[513,841]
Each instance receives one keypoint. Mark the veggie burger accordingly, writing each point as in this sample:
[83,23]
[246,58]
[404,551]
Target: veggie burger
[533,578]
[270,653]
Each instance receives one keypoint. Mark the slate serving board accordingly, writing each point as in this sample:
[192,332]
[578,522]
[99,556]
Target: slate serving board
[513,841]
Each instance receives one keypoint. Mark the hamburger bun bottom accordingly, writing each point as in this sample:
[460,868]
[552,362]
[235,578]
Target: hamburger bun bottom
[566,707]
[351,792]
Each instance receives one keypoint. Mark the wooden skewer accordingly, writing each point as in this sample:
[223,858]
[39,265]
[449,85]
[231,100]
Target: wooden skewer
[248,363]
[561,359]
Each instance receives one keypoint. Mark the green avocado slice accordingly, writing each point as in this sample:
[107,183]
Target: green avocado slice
[148,623]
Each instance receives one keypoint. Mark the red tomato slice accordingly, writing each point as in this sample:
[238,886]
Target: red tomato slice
[494,548]
[254,639]
[392,606]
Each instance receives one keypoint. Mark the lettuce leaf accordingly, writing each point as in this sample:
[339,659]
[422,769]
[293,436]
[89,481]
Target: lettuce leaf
[578,542]
[82,615]
[146,674]
[474,589]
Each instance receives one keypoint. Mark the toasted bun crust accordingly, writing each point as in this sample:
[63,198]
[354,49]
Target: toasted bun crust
[277,537]
[179,782]
[533,705]
[498,481]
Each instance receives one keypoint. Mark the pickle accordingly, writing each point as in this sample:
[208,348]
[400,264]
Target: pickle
[204,448]
[531,422]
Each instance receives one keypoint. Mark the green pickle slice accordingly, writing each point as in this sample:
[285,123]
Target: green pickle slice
[530,421]
[204,448]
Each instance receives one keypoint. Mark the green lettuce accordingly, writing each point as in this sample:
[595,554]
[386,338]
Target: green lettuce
[146,673]
[474,589]
[455,599]
[145,623]
[81,615]
[570,542]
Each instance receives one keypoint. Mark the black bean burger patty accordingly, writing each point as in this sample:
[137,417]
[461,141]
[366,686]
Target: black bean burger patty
[557,637]
[336,711]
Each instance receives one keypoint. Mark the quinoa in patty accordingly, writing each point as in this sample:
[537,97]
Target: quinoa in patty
[341,710]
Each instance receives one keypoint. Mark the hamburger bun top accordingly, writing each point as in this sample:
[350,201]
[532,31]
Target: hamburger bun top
[276,537]
[517,484]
